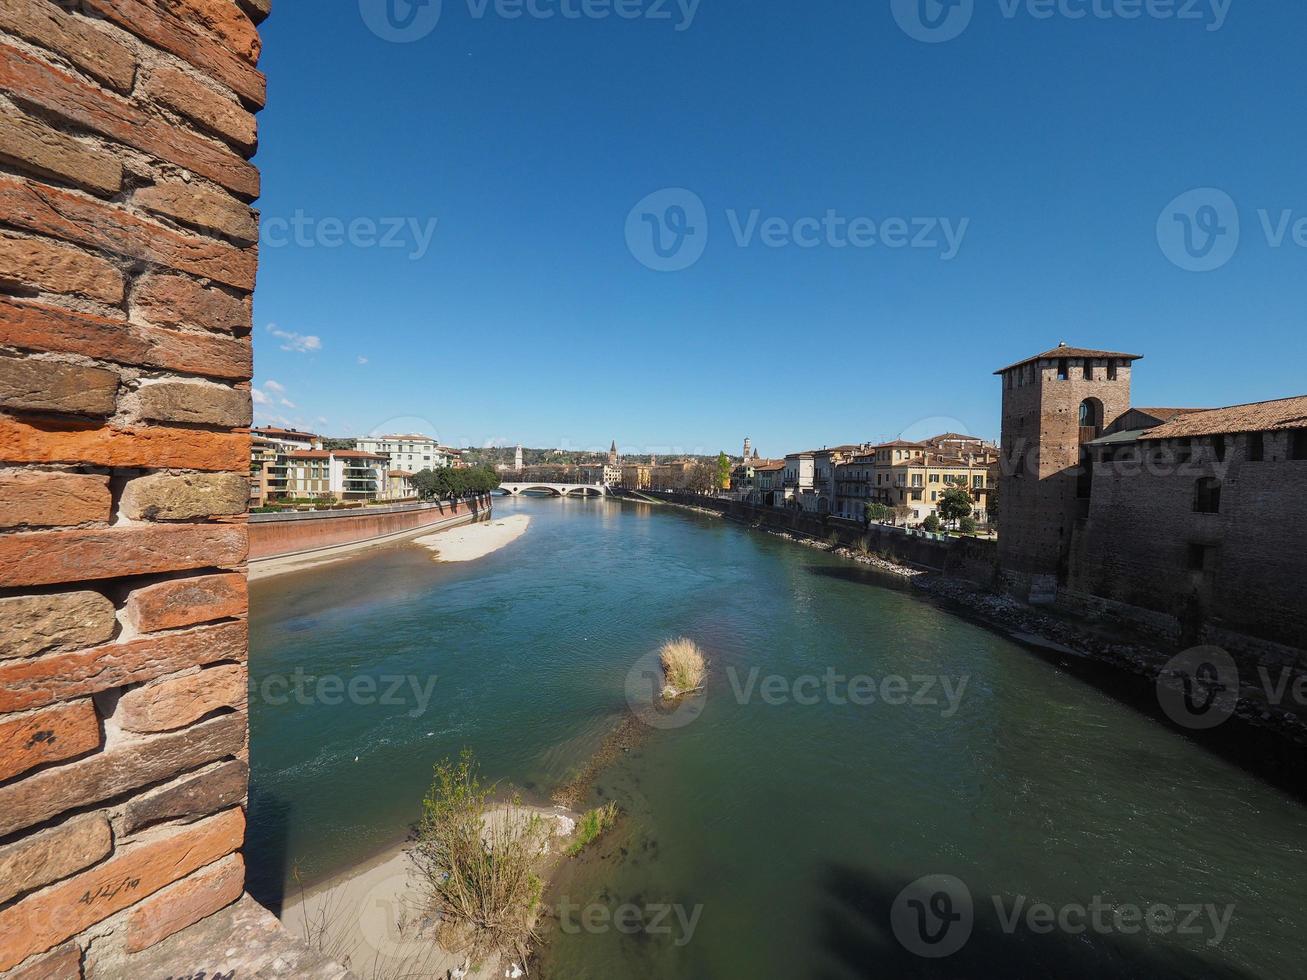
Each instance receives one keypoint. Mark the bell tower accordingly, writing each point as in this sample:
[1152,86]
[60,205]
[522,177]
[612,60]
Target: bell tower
[1054,404]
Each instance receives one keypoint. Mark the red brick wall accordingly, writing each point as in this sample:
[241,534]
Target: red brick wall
[127,262]
[294,535]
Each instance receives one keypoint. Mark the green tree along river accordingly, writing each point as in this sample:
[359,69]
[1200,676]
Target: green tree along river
[773,833]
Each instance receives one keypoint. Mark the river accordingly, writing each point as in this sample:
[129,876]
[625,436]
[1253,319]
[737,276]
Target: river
[854,738]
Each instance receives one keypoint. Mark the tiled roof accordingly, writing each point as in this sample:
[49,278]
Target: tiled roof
[1166,414]
[270,431]
[1283,413]
[770,467]
[357,454]
[900,444]
[1062,350]
[309,454]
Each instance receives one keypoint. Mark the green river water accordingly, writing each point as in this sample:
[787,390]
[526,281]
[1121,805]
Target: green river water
[771,828]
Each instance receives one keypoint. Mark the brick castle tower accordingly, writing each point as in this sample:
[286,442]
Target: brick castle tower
[1053,404]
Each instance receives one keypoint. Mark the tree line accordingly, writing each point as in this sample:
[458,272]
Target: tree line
[454,484]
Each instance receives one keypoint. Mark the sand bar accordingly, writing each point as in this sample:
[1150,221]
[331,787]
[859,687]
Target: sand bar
[473,541]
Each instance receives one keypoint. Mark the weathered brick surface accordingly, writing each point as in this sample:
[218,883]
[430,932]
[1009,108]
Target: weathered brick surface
[67,441]
[187,602]
[217,113]
[86,105]
[191,797]
[37,623]
[185,903]
[81,219]
[117,770]
[172,301]
[85,43]
[51,557]
[37,263]
[42,921]
[192,402]
[165,497]
[224,20]
[36,327]
[150,22]
[175,702]
[65,963]
[35,861]
[202,208]
[59,733]
[34,683]
[28,385]
[33,146]
[31,498]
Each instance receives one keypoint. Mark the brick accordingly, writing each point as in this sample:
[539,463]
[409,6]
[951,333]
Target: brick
[148,22]
[30,498]
[68,441]
[38,623]
[118,770]
[65,963]
[30,385]
[35,861]
[187,602]
[47,736]
[164,497]
[173,301]
[191,402]
[190,798]
[28,684]
[217,113]
[258,10]
[186,903]
[86,221]
[31,145]
[176,702]
[83,42]
[92,108]
[202,208]
[225,20]
[48,329]
[52,557]
[36,263]
[48,918]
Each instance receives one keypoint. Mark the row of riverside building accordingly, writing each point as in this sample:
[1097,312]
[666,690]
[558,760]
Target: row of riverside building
[286,464]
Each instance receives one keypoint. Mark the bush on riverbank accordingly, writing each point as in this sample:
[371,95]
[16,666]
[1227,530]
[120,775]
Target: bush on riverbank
[684,667]
[592,826]
[478,872]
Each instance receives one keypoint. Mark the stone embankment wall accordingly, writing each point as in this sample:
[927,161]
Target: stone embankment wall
[973,559]
[127,263]
[278,535]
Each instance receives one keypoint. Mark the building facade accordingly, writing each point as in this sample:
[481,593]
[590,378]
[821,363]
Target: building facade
[408,453]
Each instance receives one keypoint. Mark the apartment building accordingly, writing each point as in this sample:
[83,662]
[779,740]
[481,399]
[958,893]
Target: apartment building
[410,453]
[913,476]
[286,464]
[269,447]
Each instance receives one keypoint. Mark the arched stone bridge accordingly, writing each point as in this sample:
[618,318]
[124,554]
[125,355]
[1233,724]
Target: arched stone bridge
[557,489]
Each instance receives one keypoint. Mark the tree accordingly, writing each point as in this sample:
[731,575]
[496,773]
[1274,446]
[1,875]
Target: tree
[701,476]
[874,510]
[955,504]
[967,525]
[902,513]
[723,471]
[931,523]
[991,505]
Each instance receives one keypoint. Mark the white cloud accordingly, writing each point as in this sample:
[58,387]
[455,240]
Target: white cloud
[276,387]
[287,403]
[259,397]
[296,342]
[362,360]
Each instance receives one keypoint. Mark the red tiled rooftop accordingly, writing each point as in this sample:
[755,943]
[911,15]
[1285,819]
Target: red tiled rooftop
[1270,416]
[1063,351]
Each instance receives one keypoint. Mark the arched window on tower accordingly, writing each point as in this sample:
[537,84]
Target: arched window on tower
[1090,416]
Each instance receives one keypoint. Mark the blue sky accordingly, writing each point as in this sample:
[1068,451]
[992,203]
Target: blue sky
[1051,147]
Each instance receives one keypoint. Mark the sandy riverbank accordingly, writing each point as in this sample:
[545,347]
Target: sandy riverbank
[370,917]
[475,541]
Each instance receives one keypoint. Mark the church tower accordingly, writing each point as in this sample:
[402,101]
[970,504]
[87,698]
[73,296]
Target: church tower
[1053,405]
[748,446]
[517,460]
[612,454]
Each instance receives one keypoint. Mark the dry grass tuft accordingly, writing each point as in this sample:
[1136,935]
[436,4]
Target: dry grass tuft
[684,667]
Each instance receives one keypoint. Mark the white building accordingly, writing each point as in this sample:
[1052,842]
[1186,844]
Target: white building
[408,453]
